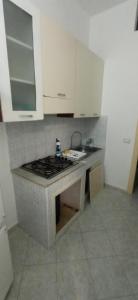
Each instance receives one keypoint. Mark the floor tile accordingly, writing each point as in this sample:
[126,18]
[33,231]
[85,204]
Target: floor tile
[133,220]
[39,282]
[9,297]
[97,244]
[113,201]
[18,244]
[115,222]
[109,278]
[72,283]
[106,234]
[130,265]
[37,254]
[74,227]
[70,247]
[123,298]
[14,290]
[123,242]
[90,221]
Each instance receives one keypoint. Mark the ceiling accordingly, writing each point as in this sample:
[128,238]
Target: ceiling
[93,7]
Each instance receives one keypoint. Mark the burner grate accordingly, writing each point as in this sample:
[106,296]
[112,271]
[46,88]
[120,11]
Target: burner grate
[48,167]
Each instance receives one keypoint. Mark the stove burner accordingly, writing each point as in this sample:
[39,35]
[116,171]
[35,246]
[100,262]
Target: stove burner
[48,167]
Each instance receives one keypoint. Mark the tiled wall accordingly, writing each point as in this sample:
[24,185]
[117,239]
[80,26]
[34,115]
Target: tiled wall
[32,140]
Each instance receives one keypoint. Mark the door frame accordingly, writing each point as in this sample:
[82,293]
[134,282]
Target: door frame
[133,167]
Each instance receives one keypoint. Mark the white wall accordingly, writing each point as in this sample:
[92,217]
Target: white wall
[112,36]
[6,183]
[68,13]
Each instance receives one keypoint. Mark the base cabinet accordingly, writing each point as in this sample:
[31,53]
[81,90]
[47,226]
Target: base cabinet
[36,200]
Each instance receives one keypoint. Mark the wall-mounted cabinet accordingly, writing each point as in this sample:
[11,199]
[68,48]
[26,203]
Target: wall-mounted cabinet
[58,60]
[20,83]
[89,82]
[72,74]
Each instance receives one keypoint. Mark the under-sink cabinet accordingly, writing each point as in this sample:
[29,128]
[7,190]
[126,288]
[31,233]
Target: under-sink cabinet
[94,181]
[20,65]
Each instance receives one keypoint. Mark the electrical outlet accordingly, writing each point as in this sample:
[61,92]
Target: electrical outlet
[126,140]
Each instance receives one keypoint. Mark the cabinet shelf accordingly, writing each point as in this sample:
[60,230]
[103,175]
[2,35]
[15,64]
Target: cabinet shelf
[18,42]
[22,81]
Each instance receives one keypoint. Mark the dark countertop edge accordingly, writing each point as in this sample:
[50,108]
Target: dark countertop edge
[36,179]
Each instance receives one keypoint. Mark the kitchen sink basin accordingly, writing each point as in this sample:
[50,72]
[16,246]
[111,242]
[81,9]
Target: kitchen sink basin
[87,149]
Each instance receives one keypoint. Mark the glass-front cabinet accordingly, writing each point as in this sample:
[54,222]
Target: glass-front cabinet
[20,64]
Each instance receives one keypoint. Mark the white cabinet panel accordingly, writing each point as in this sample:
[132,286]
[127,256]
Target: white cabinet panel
[21,83]
[96,180]
[58,55]
[1,211]
[89,81]
[6,273]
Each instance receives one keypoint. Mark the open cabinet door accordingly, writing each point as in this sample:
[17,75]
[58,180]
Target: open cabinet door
[133,167]
[6,272]
[96,180]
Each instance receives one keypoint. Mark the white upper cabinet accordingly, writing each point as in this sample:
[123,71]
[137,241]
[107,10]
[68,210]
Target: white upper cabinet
[20,61]
[58,58]
[89,82]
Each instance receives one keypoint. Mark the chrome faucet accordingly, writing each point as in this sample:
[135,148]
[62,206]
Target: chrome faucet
[80,134]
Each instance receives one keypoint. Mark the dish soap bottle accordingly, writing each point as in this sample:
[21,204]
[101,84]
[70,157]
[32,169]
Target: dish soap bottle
[58,148]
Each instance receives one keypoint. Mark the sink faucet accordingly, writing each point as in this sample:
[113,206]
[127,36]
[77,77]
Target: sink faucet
[90,141]
[76,133]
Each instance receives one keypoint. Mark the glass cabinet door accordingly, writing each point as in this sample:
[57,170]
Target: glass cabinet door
[20,48]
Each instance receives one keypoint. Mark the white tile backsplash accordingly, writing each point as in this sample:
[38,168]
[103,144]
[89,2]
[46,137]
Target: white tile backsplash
[32,140]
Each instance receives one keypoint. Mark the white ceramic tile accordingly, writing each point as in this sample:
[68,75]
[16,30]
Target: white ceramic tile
[31,140]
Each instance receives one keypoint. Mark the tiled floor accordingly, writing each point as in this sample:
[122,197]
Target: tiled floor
[96,259]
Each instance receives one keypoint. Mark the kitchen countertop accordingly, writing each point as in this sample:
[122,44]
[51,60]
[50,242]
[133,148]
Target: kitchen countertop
[83,163]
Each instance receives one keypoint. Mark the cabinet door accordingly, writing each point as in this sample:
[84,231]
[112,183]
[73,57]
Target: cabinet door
[21,91]
[58,55]
[89,80]
[1,211]
[96,180]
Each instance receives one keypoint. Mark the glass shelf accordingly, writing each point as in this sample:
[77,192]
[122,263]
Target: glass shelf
[21,62]
[18,23]
[19,37]
[18,42]
[22,81]
[23,96]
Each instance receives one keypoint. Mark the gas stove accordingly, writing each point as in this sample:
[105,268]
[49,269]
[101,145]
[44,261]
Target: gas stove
[48,167]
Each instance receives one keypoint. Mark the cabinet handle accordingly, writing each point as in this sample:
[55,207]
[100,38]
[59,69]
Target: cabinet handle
[26,116]
[61,95]
[1,225]
[82,115]
[95,115]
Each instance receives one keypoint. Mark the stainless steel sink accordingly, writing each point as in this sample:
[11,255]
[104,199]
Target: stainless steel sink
[87,149]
